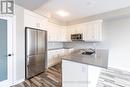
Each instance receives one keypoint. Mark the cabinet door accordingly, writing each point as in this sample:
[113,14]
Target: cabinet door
[79,29]
[97,31]
[63,34]
[64,38]
[42,23]
[52,58]
[70,30]
[68,35]
[88,31]
[93,75]
[74,74]
[60,33]
[49,59]
[35,22]
[51,32]
[56,33]
[29,21]
[92,31]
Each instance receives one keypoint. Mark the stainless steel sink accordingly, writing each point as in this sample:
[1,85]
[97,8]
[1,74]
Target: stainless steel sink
[88,51]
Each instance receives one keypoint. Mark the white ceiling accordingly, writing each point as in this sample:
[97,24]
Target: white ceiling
[79,8]
[30,4]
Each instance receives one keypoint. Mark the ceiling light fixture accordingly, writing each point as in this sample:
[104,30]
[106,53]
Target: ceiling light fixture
[62,13]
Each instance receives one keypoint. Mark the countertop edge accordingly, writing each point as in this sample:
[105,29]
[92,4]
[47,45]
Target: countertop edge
[86,63]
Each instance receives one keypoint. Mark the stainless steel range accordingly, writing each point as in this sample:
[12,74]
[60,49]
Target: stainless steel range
[36,51]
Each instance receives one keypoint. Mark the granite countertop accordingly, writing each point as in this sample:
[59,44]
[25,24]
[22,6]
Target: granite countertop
[99,58]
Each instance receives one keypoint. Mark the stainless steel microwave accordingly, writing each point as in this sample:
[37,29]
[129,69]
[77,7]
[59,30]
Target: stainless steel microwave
[76,37]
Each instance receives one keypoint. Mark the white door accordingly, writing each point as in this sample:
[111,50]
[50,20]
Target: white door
[6,51]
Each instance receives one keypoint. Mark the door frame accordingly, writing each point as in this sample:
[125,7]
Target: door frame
[10,29]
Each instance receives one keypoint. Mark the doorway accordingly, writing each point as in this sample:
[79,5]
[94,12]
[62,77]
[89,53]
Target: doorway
[6,51]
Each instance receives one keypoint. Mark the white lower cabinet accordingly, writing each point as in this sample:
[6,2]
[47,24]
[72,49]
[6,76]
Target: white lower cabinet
[79,75]
[93,75]
[54,56]
[74,74]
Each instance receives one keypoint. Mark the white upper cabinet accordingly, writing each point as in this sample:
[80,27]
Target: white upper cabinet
[56,33]
[73,29]
[34,20]
[63,33]
[29,21]
[92,31]
[70,30]
[52,33]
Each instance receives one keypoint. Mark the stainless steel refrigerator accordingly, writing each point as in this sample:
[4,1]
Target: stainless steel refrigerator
[35,51]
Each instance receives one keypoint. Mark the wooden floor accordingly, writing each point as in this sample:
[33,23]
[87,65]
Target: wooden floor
[50,78]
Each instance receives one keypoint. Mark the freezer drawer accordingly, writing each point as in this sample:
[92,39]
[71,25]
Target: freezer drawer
[35,64]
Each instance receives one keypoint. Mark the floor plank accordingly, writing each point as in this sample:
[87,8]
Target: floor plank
[50,78]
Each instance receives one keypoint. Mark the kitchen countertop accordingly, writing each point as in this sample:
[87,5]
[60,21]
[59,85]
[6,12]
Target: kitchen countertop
[58,49]
[99,58]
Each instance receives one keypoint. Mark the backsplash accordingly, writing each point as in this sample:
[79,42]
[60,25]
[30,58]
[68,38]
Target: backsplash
[80,44]
[77,44]
[55,45]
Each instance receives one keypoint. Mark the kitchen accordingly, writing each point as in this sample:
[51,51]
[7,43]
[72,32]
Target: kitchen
[108,31]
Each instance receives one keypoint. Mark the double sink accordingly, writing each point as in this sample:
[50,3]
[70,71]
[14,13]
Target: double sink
[88,51]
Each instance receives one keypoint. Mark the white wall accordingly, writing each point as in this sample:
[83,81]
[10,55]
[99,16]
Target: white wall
[117,37]
[20,44]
